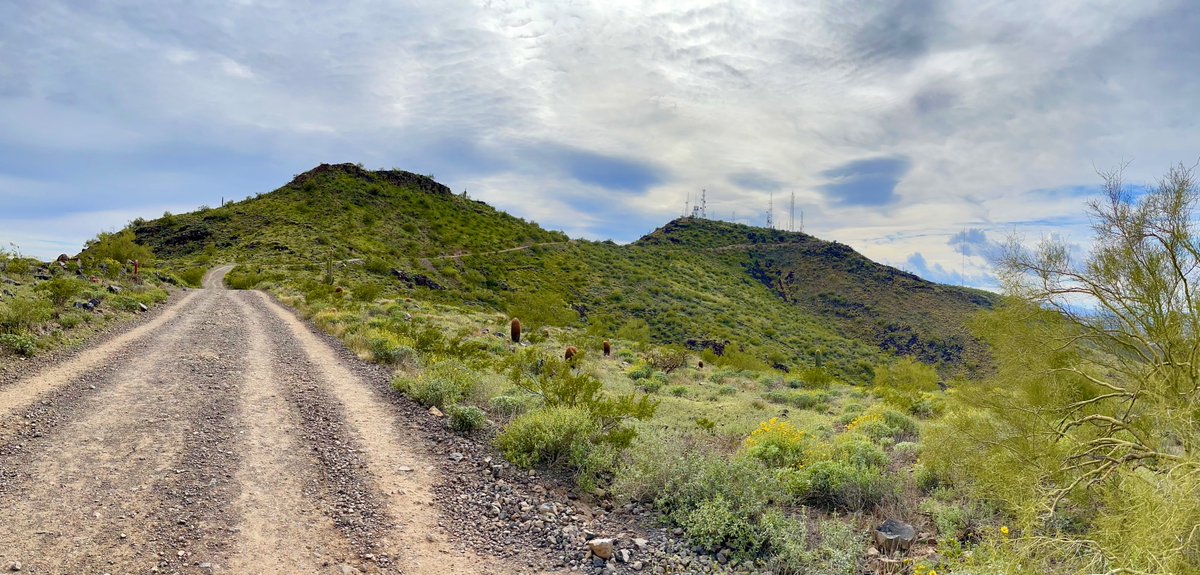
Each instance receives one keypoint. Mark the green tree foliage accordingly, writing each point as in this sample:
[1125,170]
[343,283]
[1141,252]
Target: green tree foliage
[117,246]
[1088,433]
[906,384]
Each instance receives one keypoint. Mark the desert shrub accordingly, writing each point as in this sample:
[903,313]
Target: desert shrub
[859,452]
[557,436]
[366,291]
[557,383]
[800,399]
[655,382]
[727,390]
[841,550]
[667,359]
[512,405]
[720,375]
[539,308]
[580,427]
[119,247]
[880,422]
[838,485]
[907,449]
[387,348]
[926,478]
[465,418]
[639,371]
[20,344]
[777,444]
[906,383]
[193,277]
[22,313]
[378,266]
[61,290]
[71,320]
[715,523]
[718,500]
[816,377]
[679,391]
[124,302]
[440,385]
[742,361]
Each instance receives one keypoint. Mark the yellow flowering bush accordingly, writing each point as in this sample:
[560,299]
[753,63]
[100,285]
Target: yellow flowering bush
[865,419]
[777,443]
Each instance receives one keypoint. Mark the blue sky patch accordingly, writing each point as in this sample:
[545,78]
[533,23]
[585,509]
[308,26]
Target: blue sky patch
[865,182]
[610,172]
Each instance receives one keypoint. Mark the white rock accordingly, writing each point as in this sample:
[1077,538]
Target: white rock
[601,547]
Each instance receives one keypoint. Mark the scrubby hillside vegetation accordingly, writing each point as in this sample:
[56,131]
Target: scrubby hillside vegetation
[46,306]
[771,396]
[694,283]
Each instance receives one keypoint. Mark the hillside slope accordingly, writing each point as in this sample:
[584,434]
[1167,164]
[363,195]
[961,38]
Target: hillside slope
[762,296]
[893,309]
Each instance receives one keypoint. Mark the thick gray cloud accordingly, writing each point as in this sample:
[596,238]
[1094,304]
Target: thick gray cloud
[600,118]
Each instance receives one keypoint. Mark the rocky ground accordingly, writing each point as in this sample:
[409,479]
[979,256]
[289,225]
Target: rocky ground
[224,435]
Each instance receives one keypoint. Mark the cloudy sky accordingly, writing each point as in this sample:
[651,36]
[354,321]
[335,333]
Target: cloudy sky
[912,130]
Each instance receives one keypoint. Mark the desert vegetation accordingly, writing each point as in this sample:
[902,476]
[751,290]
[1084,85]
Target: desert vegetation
[47,306]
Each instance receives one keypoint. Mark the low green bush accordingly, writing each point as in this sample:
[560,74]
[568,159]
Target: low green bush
[440,385]
[193,277]
[20,344]
[512,405]
[366,292]
[718,500]
[61,290]
[861,453]
[465,418]
[387,348]
[639,371]
[557,436]
[838,485]
[777,444]
[21,313]
[71,320]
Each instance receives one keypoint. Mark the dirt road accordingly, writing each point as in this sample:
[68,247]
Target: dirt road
[222,436]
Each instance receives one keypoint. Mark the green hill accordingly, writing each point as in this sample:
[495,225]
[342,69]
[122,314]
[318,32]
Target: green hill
[750,295]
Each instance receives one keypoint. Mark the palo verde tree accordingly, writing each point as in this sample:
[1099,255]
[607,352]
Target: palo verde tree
[1088,434]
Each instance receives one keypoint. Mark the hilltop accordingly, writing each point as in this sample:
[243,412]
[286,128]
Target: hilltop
[761,297]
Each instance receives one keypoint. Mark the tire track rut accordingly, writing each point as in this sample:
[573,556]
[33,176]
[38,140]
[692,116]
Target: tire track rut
[391,459]
[135,477]
[288,478]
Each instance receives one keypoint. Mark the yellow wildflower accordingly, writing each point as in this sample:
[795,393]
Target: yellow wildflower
[1004,530]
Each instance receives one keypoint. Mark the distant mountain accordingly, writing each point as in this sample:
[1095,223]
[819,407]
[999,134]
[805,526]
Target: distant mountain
[768,296]
[893,309]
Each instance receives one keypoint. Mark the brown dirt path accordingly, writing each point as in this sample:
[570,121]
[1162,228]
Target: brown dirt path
[394,460]
[223,436]
[131,478]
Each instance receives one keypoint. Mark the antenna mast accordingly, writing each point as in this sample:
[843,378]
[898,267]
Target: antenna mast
[792,213]
[770,210]
[687,204]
